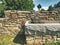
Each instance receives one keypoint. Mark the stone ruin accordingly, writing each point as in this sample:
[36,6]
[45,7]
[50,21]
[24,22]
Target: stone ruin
[11,23]
[45,17]
[12,20]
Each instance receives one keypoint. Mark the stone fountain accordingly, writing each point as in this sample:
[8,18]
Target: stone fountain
[37,28]
[36,25]
[36,18]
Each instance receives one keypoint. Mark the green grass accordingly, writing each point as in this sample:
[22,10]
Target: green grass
[7,40]
[51,43]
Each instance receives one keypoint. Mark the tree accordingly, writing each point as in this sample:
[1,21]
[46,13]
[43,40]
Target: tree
[50,8]
[42,9]
[19,4]
[39,6]
[2,8]
[57,5]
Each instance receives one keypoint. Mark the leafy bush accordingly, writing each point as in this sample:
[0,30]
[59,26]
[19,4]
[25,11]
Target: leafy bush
[2,8]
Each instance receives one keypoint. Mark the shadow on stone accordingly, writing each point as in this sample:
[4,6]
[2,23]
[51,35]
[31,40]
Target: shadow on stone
[20,37]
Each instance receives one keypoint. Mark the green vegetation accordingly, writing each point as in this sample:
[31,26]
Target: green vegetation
[51,43]
[19,4]
[2,8]
[57,5]
[50,8]
[7,40]
[42,9]
[16,5]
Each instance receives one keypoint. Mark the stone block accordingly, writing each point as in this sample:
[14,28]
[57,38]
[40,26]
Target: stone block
[13,28]
[14,15]
[1,25]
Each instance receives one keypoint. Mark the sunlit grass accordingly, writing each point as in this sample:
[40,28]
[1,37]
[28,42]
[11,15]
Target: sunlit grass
[7,40]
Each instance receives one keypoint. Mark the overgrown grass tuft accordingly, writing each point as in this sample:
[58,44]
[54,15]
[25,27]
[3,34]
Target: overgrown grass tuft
[7,40]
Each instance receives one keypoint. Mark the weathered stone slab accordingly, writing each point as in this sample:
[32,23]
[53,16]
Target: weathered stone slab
[1,25]
[14,15]
[13,28]
[7,13]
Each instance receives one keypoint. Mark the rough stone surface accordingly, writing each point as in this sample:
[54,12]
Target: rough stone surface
[12,21]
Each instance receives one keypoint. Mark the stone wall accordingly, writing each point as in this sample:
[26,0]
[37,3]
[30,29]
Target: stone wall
[11,23]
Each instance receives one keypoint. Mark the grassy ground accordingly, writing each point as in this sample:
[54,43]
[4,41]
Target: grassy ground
[7,40]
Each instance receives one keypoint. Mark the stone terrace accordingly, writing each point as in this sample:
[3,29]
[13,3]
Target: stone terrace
[11,23]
